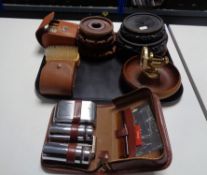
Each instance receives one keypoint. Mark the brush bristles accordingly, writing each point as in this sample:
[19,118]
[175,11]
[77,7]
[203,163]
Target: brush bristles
[61,53]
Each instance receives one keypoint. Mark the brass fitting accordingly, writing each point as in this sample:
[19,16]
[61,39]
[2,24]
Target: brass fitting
[150,64]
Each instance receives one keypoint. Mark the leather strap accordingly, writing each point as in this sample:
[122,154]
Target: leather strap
[121,132]
[74,132]
[71,153]
[128,118]
[77,112]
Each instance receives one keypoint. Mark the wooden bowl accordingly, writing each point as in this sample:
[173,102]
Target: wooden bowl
[165,86]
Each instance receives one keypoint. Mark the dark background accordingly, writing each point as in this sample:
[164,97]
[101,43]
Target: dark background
[172,11]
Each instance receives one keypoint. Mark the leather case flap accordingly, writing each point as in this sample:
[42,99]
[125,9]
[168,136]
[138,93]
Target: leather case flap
[56,78]
[56,32]
[41,29]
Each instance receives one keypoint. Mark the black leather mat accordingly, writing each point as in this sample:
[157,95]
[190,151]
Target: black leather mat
[99,81]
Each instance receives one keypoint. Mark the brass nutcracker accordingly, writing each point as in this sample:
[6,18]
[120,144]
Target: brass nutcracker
[151,64]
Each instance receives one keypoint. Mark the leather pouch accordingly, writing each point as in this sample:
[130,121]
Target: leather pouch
[118,147]
[56,32]
[61,55]
[57,77]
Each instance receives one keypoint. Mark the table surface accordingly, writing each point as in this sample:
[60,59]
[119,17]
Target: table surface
[24,115]
[191,41]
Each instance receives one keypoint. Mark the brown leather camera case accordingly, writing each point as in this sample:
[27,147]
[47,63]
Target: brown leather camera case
[110,135]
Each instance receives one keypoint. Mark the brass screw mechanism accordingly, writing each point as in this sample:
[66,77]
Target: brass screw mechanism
[150,64]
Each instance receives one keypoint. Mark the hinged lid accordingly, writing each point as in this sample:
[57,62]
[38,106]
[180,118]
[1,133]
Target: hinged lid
[53,32]
[41,29]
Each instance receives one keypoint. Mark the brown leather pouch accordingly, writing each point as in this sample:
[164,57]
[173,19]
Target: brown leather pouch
[117,148]
[61,55]
[56,32]
[57,77]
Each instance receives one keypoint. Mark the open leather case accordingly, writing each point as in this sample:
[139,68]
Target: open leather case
[61,56]
[130,136]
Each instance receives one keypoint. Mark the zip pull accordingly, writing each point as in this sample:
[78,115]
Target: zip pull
[104,158]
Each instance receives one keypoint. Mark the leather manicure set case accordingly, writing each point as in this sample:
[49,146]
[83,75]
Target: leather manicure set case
[128,135]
